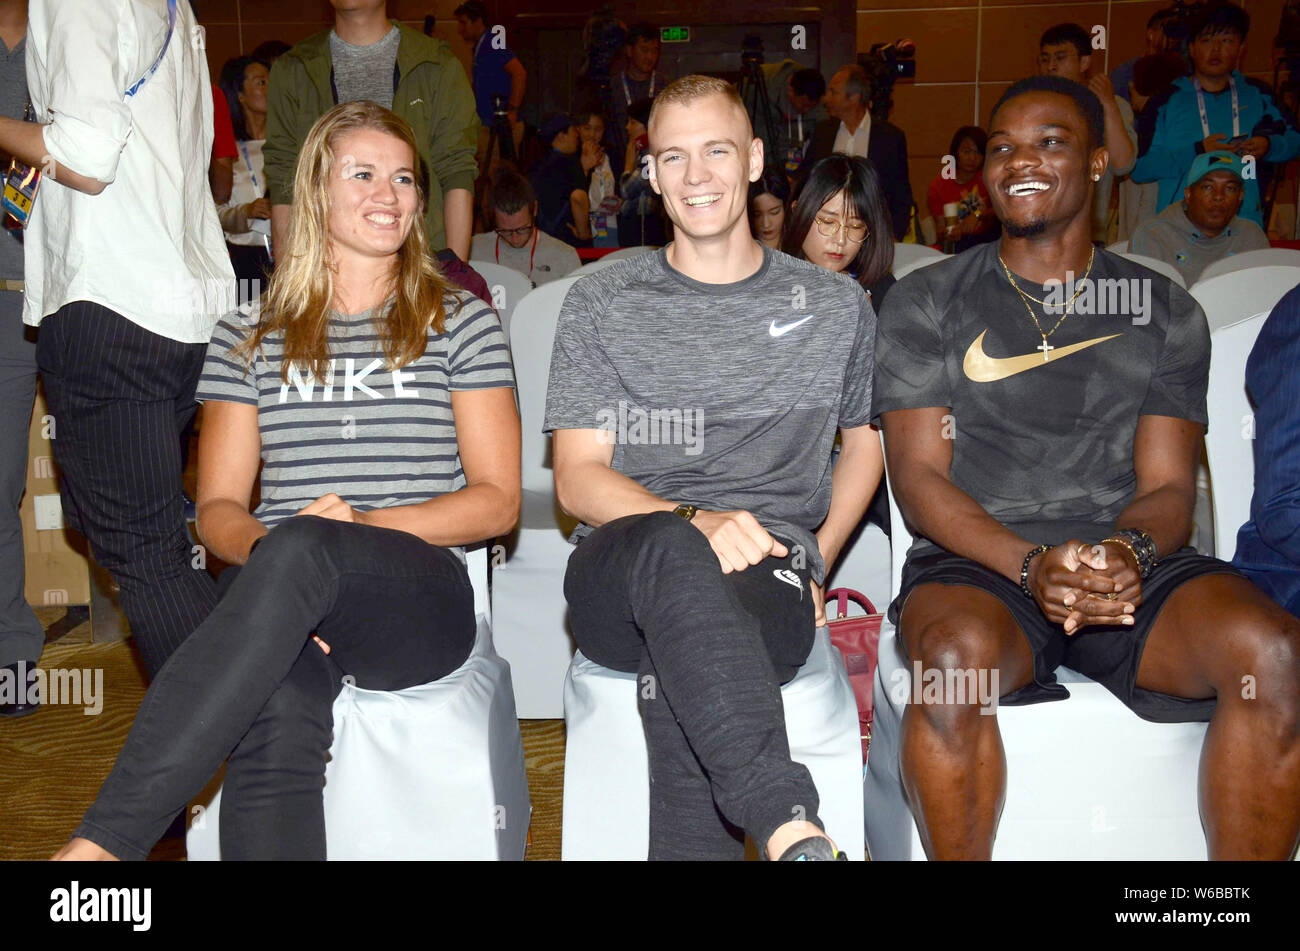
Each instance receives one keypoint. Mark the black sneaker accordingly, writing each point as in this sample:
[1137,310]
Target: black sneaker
[23,704]
[813,849]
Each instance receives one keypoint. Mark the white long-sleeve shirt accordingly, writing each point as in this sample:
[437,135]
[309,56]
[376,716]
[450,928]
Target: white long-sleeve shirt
[149,246]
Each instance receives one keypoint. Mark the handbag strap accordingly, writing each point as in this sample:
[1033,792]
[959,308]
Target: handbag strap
[842,597]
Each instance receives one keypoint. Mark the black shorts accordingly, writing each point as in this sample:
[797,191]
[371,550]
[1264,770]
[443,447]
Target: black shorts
[1109,655]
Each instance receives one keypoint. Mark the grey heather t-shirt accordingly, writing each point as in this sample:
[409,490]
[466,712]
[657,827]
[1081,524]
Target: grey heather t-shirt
[725,396]
[365,72]
[376,437]
[1046,448]
[545,260]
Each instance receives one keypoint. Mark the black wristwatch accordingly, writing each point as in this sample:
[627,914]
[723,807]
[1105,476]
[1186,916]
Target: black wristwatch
[686,511]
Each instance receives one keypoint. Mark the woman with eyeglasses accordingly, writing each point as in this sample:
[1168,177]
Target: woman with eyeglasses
[379,403]
[840,221]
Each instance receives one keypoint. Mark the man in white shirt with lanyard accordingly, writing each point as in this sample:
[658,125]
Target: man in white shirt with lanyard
[126,273]
[517,242]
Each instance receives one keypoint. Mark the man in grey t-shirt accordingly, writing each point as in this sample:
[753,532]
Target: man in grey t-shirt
[694,397]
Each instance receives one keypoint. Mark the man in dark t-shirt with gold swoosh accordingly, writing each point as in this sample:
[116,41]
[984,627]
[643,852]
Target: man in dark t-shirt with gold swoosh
[1043,405]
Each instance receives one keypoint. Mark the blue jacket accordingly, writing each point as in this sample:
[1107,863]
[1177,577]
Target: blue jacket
[1169,148]
[1268,546]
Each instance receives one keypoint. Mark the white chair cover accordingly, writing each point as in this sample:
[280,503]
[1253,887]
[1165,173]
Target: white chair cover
[529,611]
[507,287]
[1264,257]
[1086,778]
[1155,264]
[1227,441]
[606,770]
[430,772]
[1237,295]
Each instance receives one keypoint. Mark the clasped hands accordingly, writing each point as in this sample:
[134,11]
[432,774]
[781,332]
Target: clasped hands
[1078,584]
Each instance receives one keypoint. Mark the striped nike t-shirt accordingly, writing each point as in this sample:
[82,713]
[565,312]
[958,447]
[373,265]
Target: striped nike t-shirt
[376,437]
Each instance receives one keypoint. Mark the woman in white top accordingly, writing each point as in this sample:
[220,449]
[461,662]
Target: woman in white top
[591,126]
[246,217]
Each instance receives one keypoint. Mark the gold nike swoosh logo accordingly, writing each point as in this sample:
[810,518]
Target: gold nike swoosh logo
[982,368]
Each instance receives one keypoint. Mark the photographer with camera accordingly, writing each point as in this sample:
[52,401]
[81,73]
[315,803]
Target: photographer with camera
[853,131]
[1215,109]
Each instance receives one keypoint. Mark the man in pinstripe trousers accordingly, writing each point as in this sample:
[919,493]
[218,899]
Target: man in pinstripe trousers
[126,273]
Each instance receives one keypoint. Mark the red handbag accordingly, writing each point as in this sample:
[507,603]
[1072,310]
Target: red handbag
[858,641]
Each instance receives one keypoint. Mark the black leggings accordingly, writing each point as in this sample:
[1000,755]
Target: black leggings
[250,684]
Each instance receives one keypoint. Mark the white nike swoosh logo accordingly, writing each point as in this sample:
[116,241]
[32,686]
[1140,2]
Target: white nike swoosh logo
[981,368]
[781,331]
[790,578]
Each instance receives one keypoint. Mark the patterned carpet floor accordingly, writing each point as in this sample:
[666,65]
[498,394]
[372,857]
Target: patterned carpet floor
[54,761]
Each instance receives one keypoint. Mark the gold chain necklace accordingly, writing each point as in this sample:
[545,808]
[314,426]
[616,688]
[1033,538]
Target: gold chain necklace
[1026,298]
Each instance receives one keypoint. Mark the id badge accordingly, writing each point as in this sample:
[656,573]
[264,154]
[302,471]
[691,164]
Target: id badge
[21,183]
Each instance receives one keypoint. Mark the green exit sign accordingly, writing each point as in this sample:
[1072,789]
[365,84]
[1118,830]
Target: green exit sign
[675,34]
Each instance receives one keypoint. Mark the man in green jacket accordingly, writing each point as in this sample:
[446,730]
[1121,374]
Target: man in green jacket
[368,56]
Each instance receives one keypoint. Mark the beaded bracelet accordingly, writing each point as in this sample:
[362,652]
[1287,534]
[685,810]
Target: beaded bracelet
[1024,569]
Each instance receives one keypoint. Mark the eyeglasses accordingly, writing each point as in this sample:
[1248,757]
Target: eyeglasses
[513,232]
[829,228]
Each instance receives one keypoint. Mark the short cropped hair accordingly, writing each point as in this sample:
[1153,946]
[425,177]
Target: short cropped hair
[1218,16]
[857,83]
[1085,100]
[1070,33]
[512,192]
[688,89]
[472,10]
[808,83]
[642,31]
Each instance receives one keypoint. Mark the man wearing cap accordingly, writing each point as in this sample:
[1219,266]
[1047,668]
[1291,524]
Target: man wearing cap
[561,184]
[1206,226]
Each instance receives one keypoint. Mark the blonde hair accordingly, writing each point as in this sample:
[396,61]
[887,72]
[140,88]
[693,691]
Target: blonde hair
[301,292]
[688,89]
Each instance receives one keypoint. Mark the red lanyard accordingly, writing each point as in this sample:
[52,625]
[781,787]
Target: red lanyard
[497,251]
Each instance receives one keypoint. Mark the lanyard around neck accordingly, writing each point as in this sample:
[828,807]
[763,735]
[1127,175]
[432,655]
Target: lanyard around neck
[531,253]
[1236,109]
[243,150]
[627,93]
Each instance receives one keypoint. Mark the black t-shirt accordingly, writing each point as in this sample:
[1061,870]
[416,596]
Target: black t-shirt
[1045,448]
[555,179]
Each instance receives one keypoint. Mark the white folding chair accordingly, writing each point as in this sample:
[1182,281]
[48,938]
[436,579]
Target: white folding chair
[902,270]
[607,773]
[1236,295]
[1264,257]
[906,254]
[1227,441]
[1086,777]
[507,287]
[1155,264]
[430,772]
[530,624]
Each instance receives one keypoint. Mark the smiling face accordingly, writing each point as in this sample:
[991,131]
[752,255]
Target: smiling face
[373,197]
[1213,201]
[594,130]
[1039,167]
[253,94]
[705,156]
[769,217]
[847,233]
[1215,55]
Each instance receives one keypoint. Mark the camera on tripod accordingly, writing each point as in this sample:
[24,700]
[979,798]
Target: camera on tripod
[885,64]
